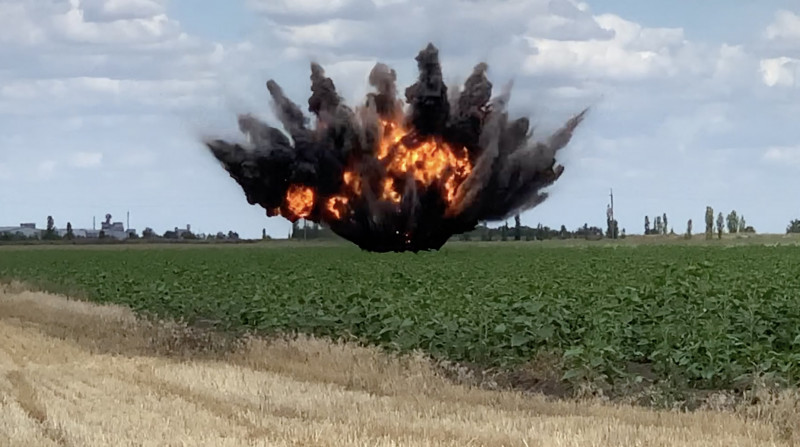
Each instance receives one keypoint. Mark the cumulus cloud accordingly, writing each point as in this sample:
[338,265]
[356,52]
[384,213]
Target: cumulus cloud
[786,26]
[74,27]
[560,42]
[100,22]
[457,26]
[112,10]
[101,53]
[780,71]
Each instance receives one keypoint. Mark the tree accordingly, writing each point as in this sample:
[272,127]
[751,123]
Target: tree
[720,225]
[733,222]
[504,232]
[70,235]
[709,222]
[664,221]
[646,225]
[742,224]
[689,229]
[794,227]
[659,224]
[50,232]
[517,228]
[623,234]
[263,233]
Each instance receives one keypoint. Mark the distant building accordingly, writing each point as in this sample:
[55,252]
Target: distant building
[115,230]
[179,233]
[23,230]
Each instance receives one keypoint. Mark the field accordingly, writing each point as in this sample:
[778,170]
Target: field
[610,319]
[77,374]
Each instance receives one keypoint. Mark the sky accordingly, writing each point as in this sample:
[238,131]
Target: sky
[104,103]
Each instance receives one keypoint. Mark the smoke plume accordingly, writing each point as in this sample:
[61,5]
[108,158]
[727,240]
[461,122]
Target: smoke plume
[391,176]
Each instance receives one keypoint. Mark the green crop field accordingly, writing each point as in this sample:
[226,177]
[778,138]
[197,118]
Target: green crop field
[694,316]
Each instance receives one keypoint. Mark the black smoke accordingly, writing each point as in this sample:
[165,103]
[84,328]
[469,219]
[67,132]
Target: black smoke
[509,170]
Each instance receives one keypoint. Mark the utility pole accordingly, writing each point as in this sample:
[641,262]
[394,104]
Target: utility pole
[611,194]
[128,221]
[612,224]
[94,223]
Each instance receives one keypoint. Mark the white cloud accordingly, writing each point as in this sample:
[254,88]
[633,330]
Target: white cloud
[633,53]
[86,159]
[112,10]
[102,22]
[780,71]
[74,27]
[786,26]
[730,62]
[554,40]
[305,7]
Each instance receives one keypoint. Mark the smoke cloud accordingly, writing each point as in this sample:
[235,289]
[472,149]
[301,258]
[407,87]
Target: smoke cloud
[390,176]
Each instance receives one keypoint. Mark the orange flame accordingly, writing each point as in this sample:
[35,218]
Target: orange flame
[336,205]
[300,200]
[389,194]
[428,161]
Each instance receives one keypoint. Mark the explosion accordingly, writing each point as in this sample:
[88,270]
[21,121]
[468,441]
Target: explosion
[389,179]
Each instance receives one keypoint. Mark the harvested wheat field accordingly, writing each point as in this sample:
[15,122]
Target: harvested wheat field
[78,374]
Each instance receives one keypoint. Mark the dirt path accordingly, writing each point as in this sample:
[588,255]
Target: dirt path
[75,374]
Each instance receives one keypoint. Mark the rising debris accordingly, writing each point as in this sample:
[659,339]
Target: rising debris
[389,176]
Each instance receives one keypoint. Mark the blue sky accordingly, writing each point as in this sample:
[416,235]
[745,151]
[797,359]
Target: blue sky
[103,102]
